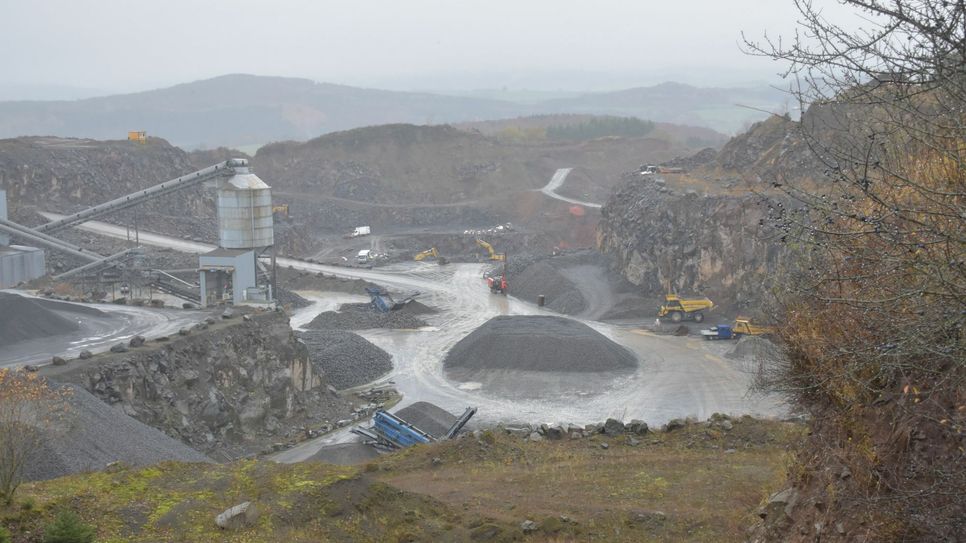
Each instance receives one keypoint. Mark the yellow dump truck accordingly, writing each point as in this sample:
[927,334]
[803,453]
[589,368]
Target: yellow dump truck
[744,326]
[679,308]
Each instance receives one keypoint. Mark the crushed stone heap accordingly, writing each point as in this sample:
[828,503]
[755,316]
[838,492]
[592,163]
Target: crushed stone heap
[538,344]
[23,318]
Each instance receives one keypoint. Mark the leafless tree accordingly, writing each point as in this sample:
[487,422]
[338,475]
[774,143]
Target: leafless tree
[876,307]
[29,410]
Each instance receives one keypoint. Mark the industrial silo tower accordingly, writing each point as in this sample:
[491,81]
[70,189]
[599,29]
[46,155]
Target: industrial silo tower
[245,235]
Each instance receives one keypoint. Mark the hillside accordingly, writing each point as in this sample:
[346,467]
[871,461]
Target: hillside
[238,110]
[723,109]
[482,487]
[247,110]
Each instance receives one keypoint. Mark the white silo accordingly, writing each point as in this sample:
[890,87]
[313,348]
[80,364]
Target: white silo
[245,212]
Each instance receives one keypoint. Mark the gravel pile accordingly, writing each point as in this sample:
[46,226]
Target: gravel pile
[428,417]
[23,318]
[285,296]
[538,343]
[363,317]
[96,435]
[346,454]
[347,360]
[756,348]
[544,278]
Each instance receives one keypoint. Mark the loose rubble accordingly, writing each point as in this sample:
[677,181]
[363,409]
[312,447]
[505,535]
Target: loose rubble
[345,359]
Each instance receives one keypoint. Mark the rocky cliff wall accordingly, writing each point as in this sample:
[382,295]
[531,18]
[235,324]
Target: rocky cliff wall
[235,387]
[716,245]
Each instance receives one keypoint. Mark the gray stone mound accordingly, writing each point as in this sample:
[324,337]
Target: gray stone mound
[538,343]
[23,318]
[346,454]
[543,278]
[363,317]
[428,417]
[96,434]
[755,348]
[347,360]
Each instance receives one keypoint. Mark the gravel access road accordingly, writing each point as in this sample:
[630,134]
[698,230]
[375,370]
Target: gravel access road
[98,333]
[557,181]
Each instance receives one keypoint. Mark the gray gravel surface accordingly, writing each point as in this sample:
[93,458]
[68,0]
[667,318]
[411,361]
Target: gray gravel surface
[538,343]
[428,417]
[23,318]
[363,317]
[346,454]
[97,434]
[347,359]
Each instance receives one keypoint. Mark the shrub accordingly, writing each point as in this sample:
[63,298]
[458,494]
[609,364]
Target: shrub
[5,535]
[68,528]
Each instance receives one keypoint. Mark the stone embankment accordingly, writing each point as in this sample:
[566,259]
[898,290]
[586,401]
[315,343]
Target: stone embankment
[229,387]
[716,245]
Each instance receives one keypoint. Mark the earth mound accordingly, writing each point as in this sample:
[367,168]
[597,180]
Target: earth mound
[347,360]
[538,344]
[362,316]
[23,318]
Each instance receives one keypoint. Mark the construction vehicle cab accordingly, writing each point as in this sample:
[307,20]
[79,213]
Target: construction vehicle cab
[138,136]
[679,308]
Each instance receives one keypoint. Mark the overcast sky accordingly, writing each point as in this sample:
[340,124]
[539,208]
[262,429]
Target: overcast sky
[125,45]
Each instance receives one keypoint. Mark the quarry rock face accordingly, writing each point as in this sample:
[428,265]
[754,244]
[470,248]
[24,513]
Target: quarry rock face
[227,385]
[713,245]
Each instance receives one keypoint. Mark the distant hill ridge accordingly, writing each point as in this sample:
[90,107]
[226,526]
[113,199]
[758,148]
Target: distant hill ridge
[241,110]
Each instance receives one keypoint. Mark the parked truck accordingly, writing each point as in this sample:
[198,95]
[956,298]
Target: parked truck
[679,308]
[741,327]
[359,231]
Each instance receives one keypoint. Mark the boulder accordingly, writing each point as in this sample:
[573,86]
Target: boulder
[535,436]
[613,427]
[227,313]
[554,432]
[119,348]
[58,361]
[136,341]
[209,320]
[184,332]
[239,516]
[528,526]
[31,368]
[84,355]
[638,427]
[674,424]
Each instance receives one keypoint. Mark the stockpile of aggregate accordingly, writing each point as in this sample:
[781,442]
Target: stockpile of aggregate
[538,344]
[545,278]
[756,348]
[346,454]
[23,318]
[347,360]
[95,434]
[428,417]
[362,316]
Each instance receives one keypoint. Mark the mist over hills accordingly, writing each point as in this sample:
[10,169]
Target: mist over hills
[245,110]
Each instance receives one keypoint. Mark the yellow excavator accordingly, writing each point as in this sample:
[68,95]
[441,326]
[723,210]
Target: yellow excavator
[680,308]
[430,253]
[493,255]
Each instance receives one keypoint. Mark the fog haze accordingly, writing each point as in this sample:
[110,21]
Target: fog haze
[74,49]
